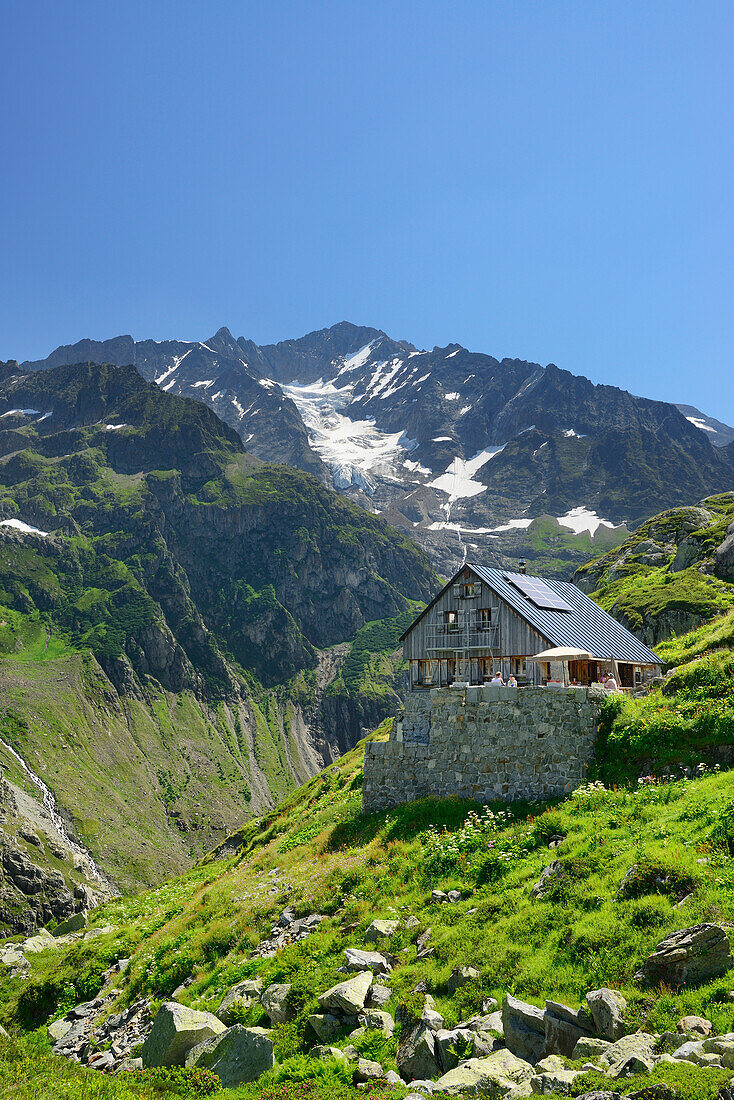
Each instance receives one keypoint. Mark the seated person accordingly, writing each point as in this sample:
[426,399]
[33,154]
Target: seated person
[497,678]
[511,681]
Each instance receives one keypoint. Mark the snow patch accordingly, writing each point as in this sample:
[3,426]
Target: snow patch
[415,467]
[582,519]
[208,382]
[698,423]
[451,354]
[115,427]
[358,358]
[24,528]
[513,525]
[239,408]
[442,439]
[465,410]
[458,481]
[570,433]
[20,412]
[453,396]
[355,450]
[177,361]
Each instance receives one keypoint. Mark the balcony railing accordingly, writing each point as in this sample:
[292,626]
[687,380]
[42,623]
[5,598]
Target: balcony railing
[473,636]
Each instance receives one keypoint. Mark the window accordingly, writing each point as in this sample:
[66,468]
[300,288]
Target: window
[425,672]
[452,620]
[484,618]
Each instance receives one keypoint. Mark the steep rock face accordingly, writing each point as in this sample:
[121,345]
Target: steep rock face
[217,549]
[673,574]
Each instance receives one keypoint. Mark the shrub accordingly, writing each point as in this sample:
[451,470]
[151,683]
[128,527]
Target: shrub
[722,836]
[38,1001]
[649,912]
[180,1080]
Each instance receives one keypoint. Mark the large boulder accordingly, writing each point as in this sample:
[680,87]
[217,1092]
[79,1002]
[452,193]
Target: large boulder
[554,1082]
[417,1057]
[368,960]
[430,1016]
[691,956]
[378,1020]
[455,1046]
[633,1050]
[564,1027]
[275,1002]
[239,998]
[239,1055]
[367,1070]
[460,975]
[380,929]
[493,1077]
[176,1029]
[326,1025]
[348,997]
[606,1007]
[524,1027]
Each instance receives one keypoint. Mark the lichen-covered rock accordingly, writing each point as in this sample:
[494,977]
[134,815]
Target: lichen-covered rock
[697,1025]
[524,1028]
[377,1020]
[275,1002]
[176,1029]
[417,1056]
[606,1007]
[237,1056]
[368,960]
[325,1052]
[455,1046]
[564,1027]
[493,1077]
[348,996]
[239,997]
[460,975]
[380,929]
[555,1082]
[327,1025]
[691,955]
[590,1048]
[367,1070]
[548,878]
[636,1049]
[430,1016]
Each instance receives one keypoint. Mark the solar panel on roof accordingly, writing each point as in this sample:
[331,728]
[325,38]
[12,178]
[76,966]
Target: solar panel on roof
[538,592]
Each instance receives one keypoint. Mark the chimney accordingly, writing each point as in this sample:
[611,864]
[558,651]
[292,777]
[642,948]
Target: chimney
[523,566]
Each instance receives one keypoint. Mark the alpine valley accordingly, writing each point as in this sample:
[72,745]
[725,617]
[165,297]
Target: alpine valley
[185,632]
[208,553]
[502,459]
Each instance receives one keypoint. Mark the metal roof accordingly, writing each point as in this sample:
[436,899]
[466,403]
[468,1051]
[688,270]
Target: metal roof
[587,626]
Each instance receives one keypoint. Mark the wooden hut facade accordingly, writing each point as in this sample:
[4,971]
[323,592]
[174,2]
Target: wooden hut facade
[488,620]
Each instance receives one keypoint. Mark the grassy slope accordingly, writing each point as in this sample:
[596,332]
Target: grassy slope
[151,783]
[330,858]
[653,590]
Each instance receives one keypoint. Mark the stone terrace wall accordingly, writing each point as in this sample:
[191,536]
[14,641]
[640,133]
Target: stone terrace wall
[484,743]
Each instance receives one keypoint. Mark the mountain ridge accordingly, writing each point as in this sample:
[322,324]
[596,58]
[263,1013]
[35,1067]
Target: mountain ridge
[464,451]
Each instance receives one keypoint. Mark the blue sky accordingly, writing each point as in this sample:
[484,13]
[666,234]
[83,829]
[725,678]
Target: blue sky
[545,180]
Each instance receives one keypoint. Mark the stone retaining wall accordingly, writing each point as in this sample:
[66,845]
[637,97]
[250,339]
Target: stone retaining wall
[484,743]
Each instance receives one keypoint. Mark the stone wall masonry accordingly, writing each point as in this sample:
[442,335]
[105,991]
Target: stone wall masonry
[484,743]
